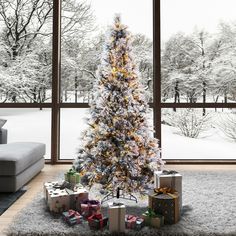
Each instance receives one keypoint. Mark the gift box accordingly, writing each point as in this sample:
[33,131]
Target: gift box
[166,203]
[133,222]
[152,219]
[171,179]
[97,221]
[72,217]
[59,200]
[72,176]
[116,215]
[89,207]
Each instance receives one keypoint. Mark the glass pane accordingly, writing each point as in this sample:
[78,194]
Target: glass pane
[26,51]
[73,123]
[84,26]
[197,51]
[28,125]
[187,134]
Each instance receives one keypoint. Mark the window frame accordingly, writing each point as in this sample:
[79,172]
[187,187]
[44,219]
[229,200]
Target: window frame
[56,104]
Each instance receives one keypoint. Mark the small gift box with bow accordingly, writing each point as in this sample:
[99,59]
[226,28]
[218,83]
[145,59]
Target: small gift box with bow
[133,222]
[153,219]
[89,207]
[72,217]
[72,176]
[97,221]
[165,201]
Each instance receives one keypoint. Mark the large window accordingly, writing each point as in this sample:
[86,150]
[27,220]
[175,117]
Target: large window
[51,50]
[198,80]
[84,30]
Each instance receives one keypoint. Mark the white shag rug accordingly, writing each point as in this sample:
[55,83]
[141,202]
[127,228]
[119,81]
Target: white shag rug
[209,208]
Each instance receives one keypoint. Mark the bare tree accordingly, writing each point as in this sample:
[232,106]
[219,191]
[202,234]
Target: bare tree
[23,21]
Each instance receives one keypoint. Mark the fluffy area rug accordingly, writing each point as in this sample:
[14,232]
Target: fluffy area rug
[209,206]
[7,199]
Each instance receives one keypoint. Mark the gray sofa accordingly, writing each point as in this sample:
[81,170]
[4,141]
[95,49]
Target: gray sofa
[19,162]
[3,136]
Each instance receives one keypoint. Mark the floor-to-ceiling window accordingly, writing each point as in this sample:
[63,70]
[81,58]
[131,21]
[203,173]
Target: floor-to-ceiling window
[84,29]
[26,69]
[198,80]
[50,52]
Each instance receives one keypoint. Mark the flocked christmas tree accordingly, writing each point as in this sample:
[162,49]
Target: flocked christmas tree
[119,149]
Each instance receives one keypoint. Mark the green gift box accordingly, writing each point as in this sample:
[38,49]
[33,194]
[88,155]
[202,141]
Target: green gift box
[72,177]
[153,219]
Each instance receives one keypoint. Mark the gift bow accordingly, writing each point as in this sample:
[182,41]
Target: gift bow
[71,172]
[72,213]
[131,219]
[169,172]
[164,190]
[90,202]
[150,213]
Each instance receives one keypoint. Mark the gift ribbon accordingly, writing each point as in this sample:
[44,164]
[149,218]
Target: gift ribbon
[163,190]
[71,172]
[131,219]
[72,214]
[98,217]
[90,206]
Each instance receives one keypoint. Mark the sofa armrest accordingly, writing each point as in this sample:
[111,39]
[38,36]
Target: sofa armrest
[3,136]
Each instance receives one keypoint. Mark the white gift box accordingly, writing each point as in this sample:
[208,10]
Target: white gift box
[59,200]
[173,181]
[116,214]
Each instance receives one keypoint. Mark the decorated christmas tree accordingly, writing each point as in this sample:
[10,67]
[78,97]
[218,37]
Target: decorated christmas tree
[119,150]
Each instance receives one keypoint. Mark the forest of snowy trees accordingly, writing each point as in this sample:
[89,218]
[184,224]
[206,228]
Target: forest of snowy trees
[200,67]
[26,51]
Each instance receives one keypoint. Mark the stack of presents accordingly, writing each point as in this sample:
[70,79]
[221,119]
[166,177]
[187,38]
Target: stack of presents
[71,199]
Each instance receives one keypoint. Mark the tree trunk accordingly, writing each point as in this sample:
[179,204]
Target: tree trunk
[66,95]
[76,89]
[225,96]
[204,97]
[177,98]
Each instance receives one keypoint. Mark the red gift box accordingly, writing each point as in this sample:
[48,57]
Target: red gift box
[133,222]
[89,207]
[97,221]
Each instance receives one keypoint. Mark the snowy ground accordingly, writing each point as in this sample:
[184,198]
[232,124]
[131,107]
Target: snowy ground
[34,125]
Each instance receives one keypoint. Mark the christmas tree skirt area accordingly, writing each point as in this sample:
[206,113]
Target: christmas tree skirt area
[209,205]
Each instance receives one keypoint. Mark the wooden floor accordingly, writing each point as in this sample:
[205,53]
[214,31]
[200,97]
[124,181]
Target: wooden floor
[49,171]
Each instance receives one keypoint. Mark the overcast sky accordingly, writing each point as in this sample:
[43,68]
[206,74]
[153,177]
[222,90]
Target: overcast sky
[184,15]
[137,14]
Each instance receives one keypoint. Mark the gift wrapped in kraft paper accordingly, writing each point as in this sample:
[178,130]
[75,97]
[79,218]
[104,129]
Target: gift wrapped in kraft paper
[152,219]
[171,179]
[165,201]
[116,215]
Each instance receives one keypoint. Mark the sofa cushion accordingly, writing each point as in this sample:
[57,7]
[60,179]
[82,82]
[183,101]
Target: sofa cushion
[16,157]
[2,122]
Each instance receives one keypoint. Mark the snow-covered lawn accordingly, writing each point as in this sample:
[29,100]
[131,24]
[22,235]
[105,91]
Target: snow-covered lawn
[35,125]
[213,146]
